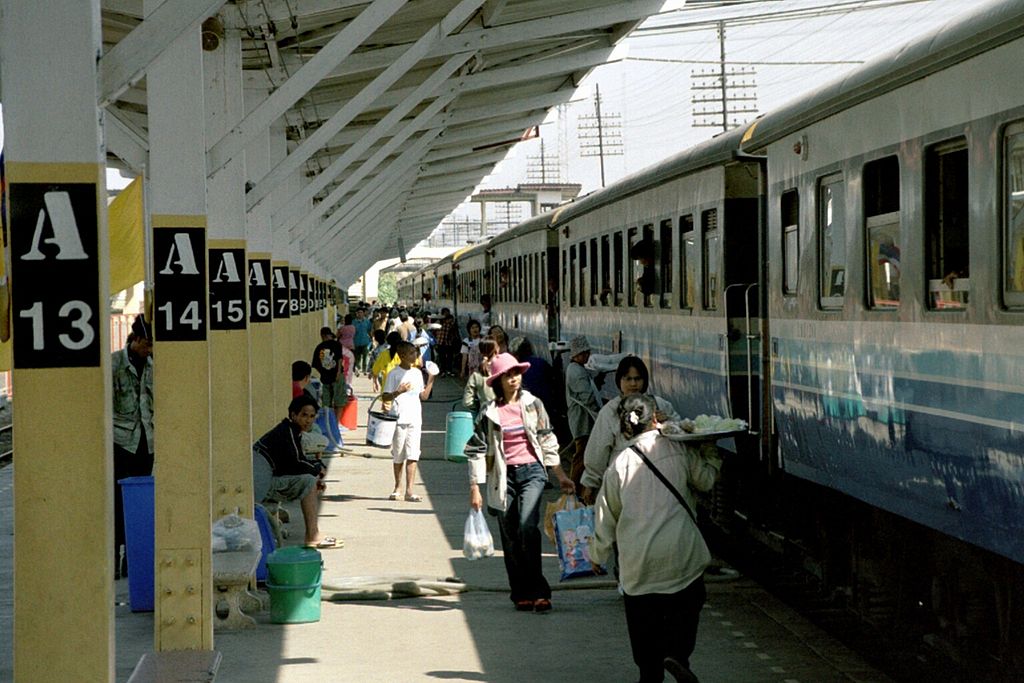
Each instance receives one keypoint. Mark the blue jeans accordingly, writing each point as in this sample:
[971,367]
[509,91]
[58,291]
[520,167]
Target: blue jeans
[520,532]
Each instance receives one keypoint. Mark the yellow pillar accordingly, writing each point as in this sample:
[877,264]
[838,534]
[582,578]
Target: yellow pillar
[300,345]
[58,255]
[282,338]
[181,415]
[265,412]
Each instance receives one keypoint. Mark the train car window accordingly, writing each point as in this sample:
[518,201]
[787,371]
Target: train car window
[617,261]
[832,240]
[631,266]
[517,270]
[594,260]
[666,256]
[882,218]
[604,297]
[946,247]
[790,241]
[538,278]
[687,262]
[1013,220]
[565,276]
[573,269]
[544,278]
[712,259]
[584,274]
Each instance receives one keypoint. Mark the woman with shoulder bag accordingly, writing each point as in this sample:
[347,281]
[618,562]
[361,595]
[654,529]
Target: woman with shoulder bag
[646,506]
[520,445]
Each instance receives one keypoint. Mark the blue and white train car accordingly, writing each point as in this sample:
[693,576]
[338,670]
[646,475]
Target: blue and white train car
[522,268]
[664,264]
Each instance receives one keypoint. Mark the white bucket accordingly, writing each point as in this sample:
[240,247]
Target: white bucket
[380,428]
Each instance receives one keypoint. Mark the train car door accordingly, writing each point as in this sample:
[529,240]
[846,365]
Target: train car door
[744,288]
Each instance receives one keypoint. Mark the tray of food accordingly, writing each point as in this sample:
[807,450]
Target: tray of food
[703,428]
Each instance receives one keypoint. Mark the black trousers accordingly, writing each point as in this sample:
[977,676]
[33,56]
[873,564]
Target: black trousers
[127,464]
[663,625]
[520,533]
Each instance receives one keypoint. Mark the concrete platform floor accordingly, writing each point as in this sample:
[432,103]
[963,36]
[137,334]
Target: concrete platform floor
[746,635]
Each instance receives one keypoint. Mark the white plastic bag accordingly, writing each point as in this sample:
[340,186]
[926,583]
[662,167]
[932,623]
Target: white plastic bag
[232,532]
[477,541]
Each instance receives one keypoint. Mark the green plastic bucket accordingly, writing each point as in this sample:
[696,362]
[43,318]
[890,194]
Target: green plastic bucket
[458,430]
[294,566]
[293,581]
[294,604]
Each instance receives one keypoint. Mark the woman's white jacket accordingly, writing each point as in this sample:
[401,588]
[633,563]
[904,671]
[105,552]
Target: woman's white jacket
[490,469]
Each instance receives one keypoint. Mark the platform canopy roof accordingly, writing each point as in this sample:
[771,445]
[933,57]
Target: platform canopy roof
[394,110]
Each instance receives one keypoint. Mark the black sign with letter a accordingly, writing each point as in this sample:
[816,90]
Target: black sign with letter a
[282,298]
[260,291]
[227,289]
[56,311]
[179,284]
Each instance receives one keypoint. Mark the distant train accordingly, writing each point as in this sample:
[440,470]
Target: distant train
[847,274]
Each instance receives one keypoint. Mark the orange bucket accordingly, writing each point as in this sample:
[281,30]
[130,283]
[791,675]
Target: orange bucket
[350,413]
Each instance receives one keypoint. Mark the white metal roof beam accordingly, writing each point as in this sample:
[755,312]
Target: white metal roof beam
[491,11]
[125,64]
[529,70]
[426,118]
[369,138]
[314,71]
[126,141]
[398,167]
[513,128]
[462,163]
[508,34]
[359,103]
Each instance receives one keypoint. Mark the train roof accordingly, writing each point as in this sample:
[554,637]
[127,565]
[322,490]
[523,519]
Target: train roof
[961,38]
[541,221]
[718,150]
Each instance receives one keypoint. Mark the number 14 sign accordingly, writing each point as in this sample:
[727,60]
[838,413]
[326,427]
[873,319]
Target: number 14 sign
[55,275]
[179,284]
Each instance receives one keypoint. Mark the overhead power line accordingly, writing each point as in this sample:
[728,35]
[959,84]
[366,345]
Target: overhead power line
[740,63]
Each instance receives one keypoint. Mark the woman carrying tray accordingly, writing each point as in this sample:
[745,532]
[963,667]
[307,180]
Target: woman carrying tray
[606,439]
[646,507]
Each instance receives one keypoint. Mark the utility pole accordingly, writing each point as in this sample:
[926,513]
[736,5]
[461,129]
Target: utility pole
[600,134]
[542,169]
[731,92]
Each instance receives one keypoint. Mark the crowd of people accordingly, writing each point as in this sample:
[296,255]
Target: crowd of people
[639,482]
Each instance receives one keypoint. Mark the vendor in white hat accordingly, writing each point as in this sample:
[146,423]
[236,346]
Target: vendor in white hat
[582,400]
[520,446]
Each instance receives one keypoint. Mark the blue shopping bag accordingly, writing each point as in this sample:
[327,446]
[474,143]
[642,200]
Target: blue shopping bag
[574,531]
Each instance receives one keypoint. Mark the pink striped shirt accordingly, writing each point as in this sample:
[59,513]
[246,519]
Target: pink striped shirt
[518,449]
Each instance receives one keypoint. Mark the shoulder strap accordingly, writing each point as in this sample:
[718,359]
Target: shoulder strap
[666,482]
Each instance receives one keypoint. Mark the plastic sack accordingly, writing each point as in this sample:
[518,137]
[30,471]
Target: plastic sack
[567,501]
[477,541]
[574,531]
[233,533]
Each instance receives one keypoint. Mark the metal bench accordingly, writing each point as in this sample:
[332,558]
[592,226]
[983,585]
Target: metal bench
[177,666]
[233,571]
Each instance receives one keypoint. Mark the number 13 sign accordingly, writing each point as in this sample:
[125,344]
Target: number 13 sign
[55,275]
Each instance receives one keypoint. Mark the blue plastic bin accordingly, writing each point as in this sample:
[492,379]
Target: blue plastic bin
[267,536]
[137,494]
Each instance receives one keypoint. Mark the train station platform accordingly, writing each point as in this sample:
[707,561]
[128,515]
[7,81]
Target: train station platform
[745,636]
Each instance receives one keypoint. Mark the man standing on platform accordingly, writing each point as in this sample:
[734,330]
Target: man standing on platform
[132,370]
[327,360]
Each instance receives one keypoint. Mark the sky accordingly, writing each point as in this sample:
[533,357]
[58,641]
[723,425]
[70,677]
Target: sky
[788,58]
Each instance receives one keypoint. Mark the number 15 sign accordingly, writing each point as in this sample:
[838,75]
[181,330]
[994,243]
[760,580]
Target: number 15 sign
[55,275]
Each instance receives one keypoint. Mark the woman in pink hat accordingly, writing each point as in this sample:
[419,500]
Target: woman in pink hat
[520,446]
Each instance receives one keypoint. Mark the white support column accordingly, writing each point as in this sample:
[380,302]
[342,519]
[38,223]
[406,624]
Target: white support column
[231,441]
[262,369]
[125,64]
[177,204]
[59,258]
